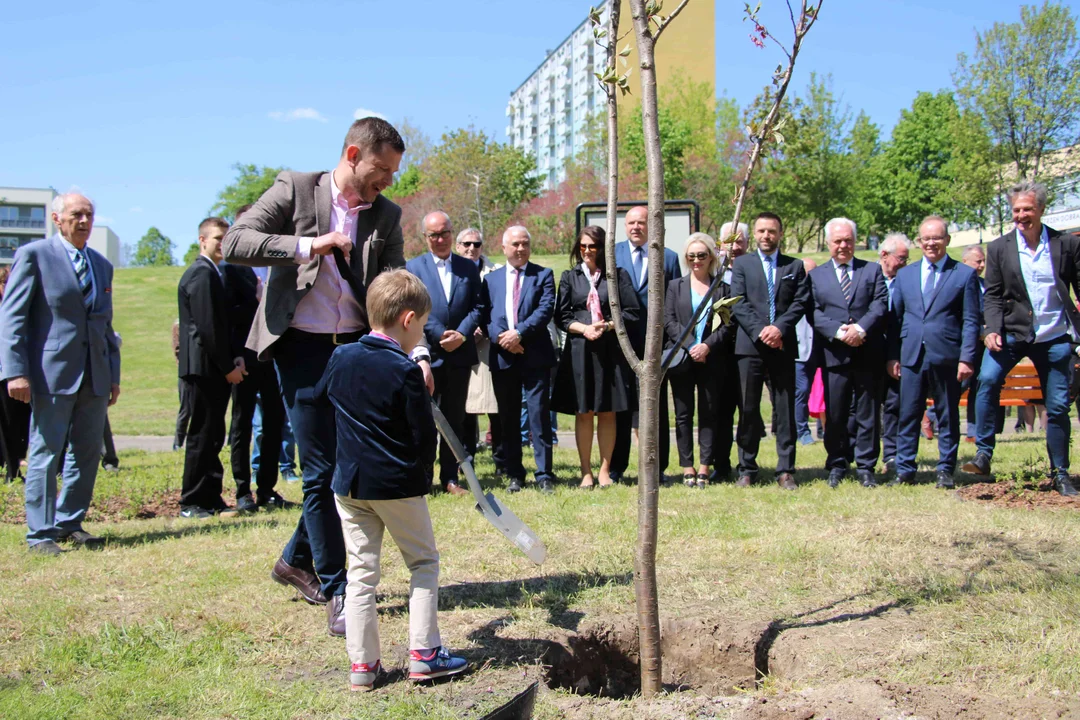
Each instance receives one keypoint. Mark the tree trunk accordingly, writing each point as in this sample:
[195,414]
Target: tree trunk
[649,377]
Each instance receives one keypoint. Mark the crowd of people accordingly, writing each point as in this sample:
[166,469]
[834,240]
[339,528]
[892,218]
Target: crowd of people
[305,312]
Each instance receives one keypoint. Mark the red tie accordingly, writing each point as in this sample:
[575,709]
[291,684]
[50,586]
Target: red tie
[517,292]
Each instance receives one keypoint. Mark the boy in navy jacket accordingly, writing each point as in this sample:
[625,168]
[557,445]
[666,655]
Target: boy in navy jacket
[384,431]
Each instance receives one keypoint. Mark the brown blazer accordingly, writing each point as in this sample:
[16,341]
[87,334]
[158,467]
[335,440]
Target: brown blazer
[298,205]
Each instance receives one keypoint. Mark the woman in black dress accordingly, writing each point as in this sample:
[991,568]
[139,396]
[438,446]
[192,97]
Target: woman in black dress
[593,378]
[705,346]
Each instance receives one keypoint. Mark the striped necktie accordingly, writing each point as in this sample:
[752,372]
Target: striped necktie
[771,280]
[82,273]
[845,282]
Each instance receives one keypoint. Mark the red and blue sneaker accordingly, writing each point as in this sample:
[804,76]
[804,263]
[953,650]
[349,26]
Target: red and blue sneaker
[362,677]
[434,663]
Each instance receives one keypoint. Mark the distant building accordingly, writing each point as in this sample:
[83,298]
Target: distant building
[548,114]
[26,215]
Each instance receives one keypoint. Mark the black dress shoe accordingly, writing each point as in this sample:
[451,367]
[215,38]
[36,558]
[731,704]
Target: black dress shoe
[616,477]
[45,547]
[305,581]
[83,538]
[866,479]
[335,616]
[246,504]
[546,486]
[979,466]
[835,476]
[1063,484]
[273,501]
[945,481]
[905,479]
[744,481]
[514,486]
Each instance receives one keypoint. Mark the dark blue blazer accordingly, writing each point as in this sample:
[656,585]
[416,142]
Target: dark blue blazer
[672,270]
[829,309]
[385,431]
[462,313]
[946,330]
[536,308]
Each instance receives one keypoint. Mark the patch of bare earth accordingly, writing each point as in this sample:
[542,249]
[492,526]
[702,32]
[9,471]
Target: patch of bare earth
[1030,495]
[115,508]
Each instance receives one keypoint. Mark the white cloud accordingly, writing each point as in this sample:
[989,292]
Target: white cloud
[364,112]
[135,210]
[297,114]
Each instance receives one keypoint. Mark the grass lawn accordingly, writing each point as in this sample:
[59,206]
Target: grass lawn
[178,619]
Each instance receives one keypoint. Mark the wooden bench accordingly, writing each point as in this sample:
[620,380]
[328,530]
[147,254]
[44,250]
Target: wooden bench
[1022,386]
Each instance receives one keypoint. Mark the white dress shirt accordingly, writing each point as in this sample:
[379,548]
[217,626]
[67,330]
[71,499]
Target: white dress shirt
[443,267]
[512,276]
[851,276]
[1037,267]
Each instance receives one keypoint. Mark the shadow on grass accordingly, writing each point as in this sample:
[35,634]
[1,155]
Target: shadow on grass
[189,528]
[555,593]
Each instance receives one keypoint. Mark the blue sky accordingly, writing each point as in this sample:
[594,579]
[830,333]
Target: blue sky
[146,106]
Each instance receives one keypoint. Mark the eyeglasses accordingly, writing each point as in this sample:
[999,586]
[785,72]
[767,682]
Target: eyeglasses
[471,243]
[694,257]
[436,236]
[589,248]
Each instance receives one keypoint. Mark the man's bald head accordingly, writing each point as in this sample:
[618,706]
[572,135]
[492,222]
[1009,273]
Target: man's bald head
[637,225]
[439,233]
[73,214]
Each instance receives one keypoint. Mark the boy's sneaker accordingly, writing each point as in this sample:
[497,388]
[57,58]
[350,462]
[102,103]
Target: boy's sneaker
[436,663]
[362,677]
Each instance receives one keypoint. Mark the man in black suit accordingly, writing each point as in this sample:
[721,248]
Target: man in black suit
[848,311]
[892,256]
[209,363]
[454,285]
[242,301]
[775,295]
[1029,313]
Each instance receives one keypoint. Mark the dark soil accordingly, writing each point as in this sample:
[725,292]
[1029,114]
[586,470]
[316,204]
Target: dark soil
[1030,495]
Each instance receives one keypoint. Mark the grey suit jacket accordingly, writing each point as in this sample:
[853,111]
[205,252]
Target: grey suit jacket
[46,332]
[298,205]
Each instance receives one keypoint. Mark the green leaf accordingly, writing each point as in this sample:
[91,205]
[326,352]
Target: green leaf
[625,51]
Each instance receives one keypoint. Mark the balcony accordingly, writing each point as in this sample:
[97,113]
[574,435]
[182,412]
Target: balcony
[25,223]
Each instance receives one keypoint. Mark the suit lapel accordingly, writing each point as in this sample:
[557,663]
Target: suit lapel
[946,275]
[323,199]
[856,273]
[455,279]
[527,279]
[61,256]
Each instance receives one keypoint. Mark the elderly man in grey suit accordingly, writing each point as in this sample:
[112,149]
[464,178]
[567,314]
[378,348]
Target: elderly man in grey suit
[325,236]
[59,353]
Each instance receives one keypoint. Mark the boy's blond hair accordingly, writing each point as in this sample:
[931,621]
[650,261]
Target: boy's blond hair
[392,293]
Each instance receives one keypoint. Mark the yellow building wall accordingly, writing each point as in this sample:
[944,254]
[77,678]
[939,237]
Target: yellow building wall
[687,46]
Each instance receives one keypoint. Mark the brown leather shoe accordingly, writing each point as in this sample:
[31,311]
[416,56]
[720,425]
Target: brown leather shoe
[744,481]
[454,489]
[305,582]
[335,616]
[786,481]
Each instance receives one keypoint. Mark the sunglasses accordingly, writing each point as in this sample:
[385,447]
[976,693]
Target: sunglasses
[471,243]
[586,248]
[693,257]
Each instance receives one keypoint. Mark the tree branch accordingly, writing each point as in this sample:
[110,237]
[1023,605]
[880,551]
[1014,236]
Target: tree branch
[668,19]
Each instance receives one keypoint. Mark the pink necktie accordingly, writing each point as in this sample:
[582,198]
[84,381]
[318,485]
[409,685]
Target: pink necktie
[517,292]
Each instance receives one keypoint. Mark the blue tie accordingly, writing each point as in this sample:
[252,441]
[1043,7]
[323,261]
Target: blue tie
[772,288]
[638,253]
[82,273]
[931,281]
[888,290]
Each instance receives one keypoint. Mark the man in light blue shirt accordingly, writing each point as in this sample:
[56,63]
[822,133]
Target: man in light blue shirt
[1028,312]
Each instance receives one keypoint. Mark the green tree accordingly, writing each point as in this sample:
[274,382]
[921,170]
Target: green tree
[809,178]
[864,142]
[251,182]
[153,250]
[192,253]
[1024,82]
[407,183]
[937,161]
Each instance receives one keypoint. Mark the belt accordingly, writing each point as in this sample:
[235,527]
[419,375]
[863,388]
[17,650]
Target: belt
[331,338]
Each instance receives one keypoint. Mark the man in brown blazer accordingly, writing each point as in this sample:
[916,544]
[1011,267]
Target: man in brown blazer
[325,236]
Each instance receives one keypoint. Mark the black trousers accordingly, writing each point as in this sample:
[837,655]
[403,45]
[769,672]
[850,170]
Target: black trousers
[728,396]
[471,430]
[780,367]
[203,472]
[852,396]
[183,415]
[451,391]
[626,421]
[108,454]
[702,378]
[14,431]
[261,381]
